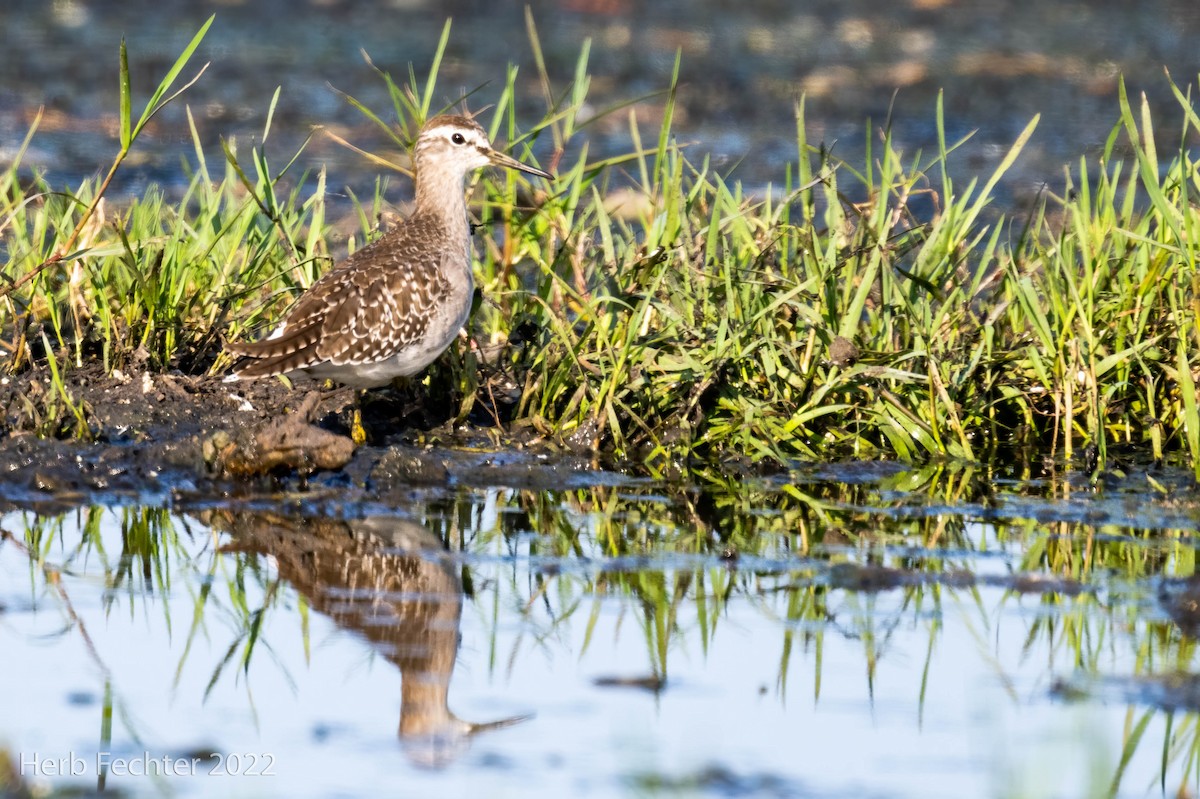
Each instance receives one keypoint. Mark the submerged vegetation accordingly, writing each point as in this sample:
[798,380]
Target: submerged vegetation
[833,316]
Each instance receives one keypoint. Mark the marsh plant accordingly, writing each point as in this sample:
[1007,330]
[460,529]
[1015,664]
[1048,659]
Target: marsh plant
[826,317]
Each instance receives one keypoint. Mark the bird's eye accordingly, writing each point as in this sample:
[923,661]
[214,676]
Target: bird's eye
[458,138]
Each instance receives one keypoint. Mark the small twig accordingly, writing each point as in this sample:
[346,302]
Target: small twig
[54,578]
[375,159]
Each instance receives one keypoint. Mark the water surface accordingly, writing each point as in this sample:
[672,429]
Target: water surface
[858,64]
[909,633]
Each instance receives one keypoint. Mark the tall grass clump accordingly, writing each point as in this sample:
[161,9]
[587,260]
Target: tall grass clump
[646,307]
[1102,301]
[145,281]
[806,324]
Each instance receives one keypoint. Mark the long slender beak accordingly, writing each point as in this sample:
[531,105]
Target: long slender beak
[500,159]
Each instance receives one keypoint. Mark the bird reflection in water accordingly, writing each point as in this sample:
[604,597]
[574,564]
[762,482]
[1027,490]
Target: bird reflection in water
[391,581]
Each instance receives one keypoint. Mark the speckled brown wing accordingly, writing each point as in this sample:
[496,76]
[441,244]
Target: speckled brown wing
[372,305]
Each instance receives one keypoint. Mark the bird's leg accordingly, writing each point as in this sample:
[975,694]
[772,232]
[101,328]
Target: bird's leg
[358,433]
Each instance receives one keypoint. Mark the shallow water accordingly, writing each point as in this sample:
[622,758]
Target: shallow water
[744,66]
[851,631]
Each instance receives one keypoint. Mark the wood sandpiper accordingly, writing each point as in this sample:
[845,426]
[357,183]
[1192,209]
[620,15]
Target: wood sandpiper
[391,308]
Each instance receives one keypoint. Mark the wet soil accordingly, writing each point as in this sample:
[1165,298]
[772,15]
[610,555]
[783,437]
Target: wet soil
[166,438]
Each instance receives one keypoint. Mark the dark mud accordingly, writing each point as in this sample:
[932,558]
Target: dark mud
[158,438]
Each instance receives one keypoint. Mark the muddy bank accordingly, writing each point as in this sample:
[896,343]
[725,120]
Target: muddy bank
[169,438]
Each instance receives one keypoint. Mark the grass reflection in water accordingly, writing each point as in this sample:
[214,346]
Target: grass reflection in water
[880,605]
